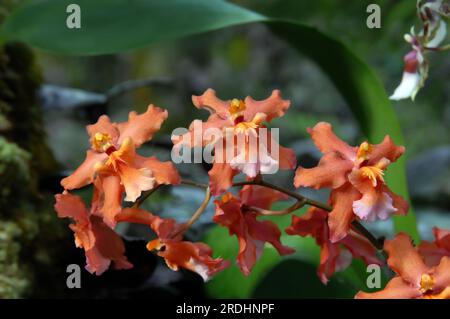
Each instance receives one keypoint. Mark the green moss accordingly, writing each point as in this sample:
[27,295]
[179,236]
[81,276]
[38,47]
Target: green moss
[28,223]
[18,86]
[14,172]
[14,280]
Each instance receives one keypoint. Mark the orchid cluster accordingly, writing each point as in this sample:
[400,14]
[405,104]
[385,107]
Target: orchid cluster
[432,14]
[353,174]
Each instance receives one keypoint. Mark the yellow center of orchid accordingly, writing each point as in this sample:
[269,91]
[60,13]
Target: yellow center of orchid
[226,198]
[115,157]
[364,150]
[101,142]
[246,127]
[373,173]
[426,283]
[236,107]
[243,127]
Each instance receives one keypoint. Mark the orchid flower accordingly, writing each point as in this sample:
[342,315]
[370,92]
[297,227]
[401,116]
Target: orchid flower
[101,244]
[334,257]
[196,257]
[116,167]
[440,247]
[414,279]
[430,37]
[240,217]
[238,119]
[356,177]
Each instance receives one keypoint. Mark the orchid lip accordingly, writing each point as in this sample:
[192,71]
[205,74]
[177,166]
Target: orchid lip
[239,119]
[111,149]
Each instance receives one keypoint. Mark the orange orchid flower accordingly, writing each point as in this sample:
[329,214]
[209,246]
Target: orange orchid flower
[113,160]
[238,118]
[414,278]
[196,257]
[337,256]
[236,214]
[440,247]
[100,243]
[355,175]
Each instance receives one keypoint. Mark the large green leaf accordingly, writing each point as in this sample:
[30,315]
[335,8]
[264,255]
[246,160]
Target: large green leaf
[110,26]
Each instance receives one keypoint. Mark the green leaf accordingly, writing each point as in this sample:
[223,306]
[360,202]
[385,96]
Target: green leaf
[110,26]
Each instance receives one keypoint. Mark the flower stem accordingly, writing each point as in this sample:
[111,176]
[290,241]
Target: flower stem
[196,215]
[201,209]
[292,194]
[193,183]
[377,243]
[266,212]
[357,226]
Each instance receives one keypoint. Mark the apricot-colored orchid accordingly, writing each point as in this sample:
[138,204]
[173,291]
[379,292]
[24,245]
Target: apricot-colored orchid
[440,247]
[429,38]
[101,244]
[237,215]
[196,257]
[355,175]
[238,120]
[337,256]
[113,159]
[414,278]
